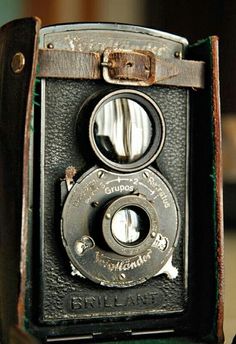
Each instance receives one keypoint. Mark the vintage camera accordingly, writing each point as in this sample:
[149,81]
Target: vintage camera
[111,206]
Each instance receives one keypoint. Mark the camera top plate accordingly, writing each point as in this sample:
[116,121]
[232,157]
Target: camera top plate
[93,36]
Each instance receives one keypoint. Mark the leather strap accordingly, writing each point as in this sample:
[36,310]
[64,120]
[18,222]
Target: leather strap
[137,68]
[68,64]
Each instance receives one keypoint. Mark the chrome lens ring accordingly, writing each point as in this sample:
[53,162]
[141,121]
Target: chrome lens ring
[126,130]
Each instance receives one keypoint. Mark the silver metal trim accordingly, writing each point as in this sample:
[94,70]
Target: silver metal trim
[112,27]
[140,333]
[67,339]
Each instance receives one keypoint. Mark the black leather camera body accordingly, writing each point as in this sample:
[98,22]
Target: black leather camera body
[111,205]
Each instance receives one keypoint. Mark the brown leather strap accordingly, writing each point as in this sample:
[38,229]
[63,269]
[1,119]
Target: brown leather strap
[138,68]
[190,73]
[69,64]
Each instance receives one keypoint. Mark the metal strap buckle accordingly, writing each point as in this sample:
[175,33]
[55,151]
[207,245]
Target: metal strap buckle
[129,67]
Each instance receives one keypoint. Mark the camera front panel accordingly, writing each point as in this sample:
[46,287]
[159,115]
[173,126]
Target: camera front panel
[120,275]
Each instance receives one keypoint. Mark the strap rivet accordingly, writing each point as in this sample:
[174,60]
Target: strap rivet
[18,63]
[50,46]
[178,54]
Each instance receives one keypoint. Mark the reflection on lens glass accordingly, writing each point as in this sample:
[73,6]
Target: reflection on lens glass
[123,130]
[130,225]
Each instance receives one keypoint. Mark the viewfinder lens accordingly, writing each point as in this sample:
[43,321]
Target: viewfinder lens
[123,130]
[126,130]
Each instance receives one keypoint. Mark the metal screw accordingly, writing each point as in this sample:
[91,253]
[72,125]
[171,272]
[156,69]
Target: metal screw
[100,174]
[108,216]
[122,276]
[50,46]
[153,234]
[107,64]
[95,204]
[79,247]
[146,175]
[178,54]
[18,63]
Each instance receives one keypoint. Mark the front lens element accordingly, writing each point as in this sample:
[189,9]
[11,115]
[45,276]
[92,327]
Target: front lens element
[122,130]
[130,225]
[126,130]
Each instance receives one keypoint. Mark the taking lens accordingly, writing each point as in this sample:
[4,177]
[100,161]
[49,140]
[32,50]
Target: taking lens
[130,225]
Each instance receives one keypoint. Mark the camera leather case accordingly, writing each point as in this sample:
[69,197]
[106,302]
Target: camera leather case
[111,185]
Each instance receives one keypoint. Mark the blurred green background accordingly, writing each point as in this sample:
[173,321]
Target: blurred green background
[193,20]
[10,9]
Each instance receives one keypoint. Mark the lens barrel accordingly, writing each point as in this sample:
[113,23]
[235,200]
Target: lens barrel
[126,130]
